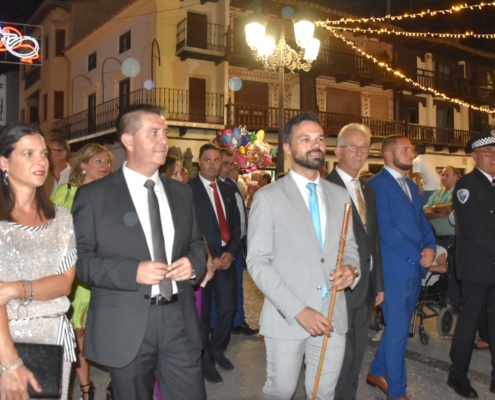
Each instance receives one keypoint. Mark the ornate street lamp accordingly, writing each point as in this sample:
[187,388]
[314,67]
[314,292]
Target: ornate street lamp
[282,56]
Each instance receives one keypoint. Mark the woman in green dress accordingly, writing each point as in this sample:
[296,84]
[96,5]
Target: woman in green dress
[92,162]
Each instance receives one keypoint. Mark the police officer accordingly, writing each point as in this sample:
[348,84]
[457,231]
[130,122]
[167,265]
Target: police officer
[474,206]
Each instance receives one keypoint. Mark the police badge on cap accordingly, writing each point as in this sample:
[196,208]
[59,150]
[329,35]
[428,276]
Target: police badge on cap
[481,139]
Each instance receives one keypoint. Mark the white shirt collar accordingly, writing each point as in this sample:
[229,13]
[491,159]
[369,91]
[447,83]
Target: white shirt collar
[135,179]
[301,181]
[394,173]
[490,178]
[344,175]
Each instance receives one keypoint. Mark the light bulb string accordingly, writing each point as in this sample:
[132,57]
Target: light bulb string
[413,34]
[415,15]
[409,80]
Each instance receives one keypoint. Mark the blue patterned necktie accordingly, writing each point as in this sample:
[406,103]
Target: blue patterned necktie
[314,211]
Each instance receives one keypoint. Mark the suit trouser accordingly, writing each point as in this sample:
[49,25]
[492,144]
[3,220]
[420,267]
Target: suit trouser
[166,354]
[355,347]
[224,287]
[284,360]
[401,297]
[240,316]
[476,298]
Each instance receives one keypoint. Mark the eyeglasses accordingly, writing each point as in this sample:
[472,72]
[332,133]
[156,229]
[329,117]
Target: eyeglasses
[354,147]
[227,164]
[487,152]
[51,150]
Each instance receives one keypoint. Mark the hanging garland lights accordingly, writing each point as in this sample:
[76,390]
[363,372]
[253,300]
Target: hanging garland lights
[409,80]
[422,14]
[415,34]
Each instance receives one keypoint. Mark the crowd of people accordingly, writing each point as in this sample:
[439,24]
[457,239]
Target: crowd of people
[160,259]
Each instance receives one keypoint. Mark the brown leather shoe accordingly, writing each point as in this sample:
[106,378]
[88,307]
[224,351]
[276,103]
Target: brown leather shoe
[380,382]
[398,398]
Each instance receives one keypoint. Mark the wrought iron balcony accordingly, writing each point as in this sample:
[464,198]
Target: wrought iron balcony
[175,102]
[202,41]
[260,117]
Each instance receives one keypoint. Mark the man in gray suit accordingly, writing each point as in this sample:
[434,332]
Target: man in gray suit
[135,327]
[293,243]
[353,147]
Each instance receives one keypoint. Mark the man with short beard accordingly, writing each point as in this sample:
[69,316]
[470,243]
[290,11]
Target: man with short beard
[407,244]
[293,241]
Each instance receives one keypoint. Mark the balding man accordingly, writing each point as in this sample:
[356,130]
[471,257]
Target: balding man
[407,244]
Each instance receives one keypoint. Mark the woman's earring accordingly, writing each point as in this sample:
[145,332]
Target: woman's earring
[84,172]
[5,178]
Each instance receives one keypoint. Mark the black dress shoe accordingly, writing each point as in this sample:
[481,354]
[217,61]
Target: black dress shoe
[224,363]
[244,329]
[492,388]
[211,375]
[463,388]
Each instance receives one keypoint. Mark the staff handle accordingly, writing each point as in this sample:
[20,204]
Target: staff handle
[343,236]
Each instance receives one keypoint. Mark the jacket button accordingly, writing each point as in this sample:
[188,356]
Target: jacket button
[322,260]
[146,297]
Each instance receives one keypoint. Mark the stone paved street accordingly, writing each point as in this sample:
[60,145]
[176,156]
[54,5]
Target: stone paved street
[427,365]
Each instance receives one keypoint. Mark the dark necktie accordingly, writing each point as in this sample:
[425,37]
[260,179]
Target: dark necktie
[224,227]
[157,239]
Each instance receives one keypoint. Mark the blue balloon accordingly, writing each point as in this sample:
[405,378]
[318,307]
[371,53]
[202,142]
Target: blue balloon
[236,132]
[226,139]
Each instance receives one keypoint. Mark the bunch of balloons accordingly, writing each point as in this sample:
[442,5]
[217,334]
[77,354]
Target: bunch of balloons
[251,152]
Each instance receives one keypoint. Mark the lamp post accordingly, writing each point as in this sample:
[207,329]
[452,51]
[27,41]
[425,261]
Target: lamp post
[281,56]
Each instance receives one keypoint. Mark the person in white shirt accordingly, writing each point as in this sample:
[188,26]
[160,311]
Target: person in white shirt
[59,156]
[425,175]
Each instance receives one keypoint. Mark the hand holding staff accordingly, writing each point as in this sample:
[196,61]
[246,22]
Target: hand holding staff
[345,225]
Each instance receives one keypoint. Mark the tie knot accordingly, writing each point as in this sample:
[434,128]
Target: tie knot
[213,185]
[150,183]
[311,187]
[356,182]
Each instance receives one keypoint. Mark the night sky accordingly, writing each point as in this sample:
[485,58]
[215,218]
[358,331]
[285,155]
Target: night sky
[479,21]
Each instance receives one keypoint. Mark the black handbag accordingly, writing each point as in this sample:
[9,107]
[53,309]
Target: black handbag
[45,361]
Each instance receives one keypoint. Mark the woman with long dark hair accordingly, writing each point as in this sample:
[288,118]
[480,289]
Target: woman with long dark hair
[37,259]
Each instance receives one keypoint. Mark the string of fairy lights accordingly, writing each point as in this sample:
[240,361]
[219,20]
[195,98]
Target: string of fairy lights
[416,15]
[418,34]
[334,29]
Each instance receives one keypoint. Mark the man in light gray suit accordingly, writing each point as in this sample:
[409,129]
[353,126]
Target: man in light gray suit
[293,242]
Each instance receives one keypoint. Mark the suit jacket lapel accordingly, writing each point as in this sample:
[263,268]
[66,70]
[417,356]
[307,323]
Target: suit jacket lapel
[297,201]
[122,199]
[399,192]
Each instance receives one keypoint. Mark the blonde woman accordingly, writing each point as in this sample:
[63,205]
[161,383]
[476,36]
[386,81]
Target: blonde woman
[92,162]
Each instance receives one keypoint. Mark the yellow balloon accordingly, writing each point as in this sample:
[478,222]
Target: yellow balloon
[260,135]
[242,150]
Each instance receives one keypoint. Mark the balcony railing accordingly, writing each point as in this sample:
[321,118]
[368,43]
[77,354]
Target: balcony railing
[260,117]
[215,37]
[176,103]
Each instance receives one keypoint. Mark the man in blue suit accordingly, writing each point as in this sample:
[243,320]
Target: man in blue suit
[408,244]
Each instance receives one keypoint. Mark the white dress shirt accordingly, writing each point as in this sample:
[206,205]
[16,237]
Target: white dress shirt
[139,194]
[64,178]
[301,183]
[351,188]
[211,195]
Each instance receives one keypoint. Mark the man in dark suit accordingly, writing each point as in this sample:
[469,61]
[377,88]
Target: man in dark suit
[131,328]
[219,222]
[474,206]
[353,146]
[407,244]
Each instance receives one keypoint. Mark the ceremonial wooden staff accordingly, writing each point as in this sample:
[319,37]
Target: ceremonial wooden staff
[345,224]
